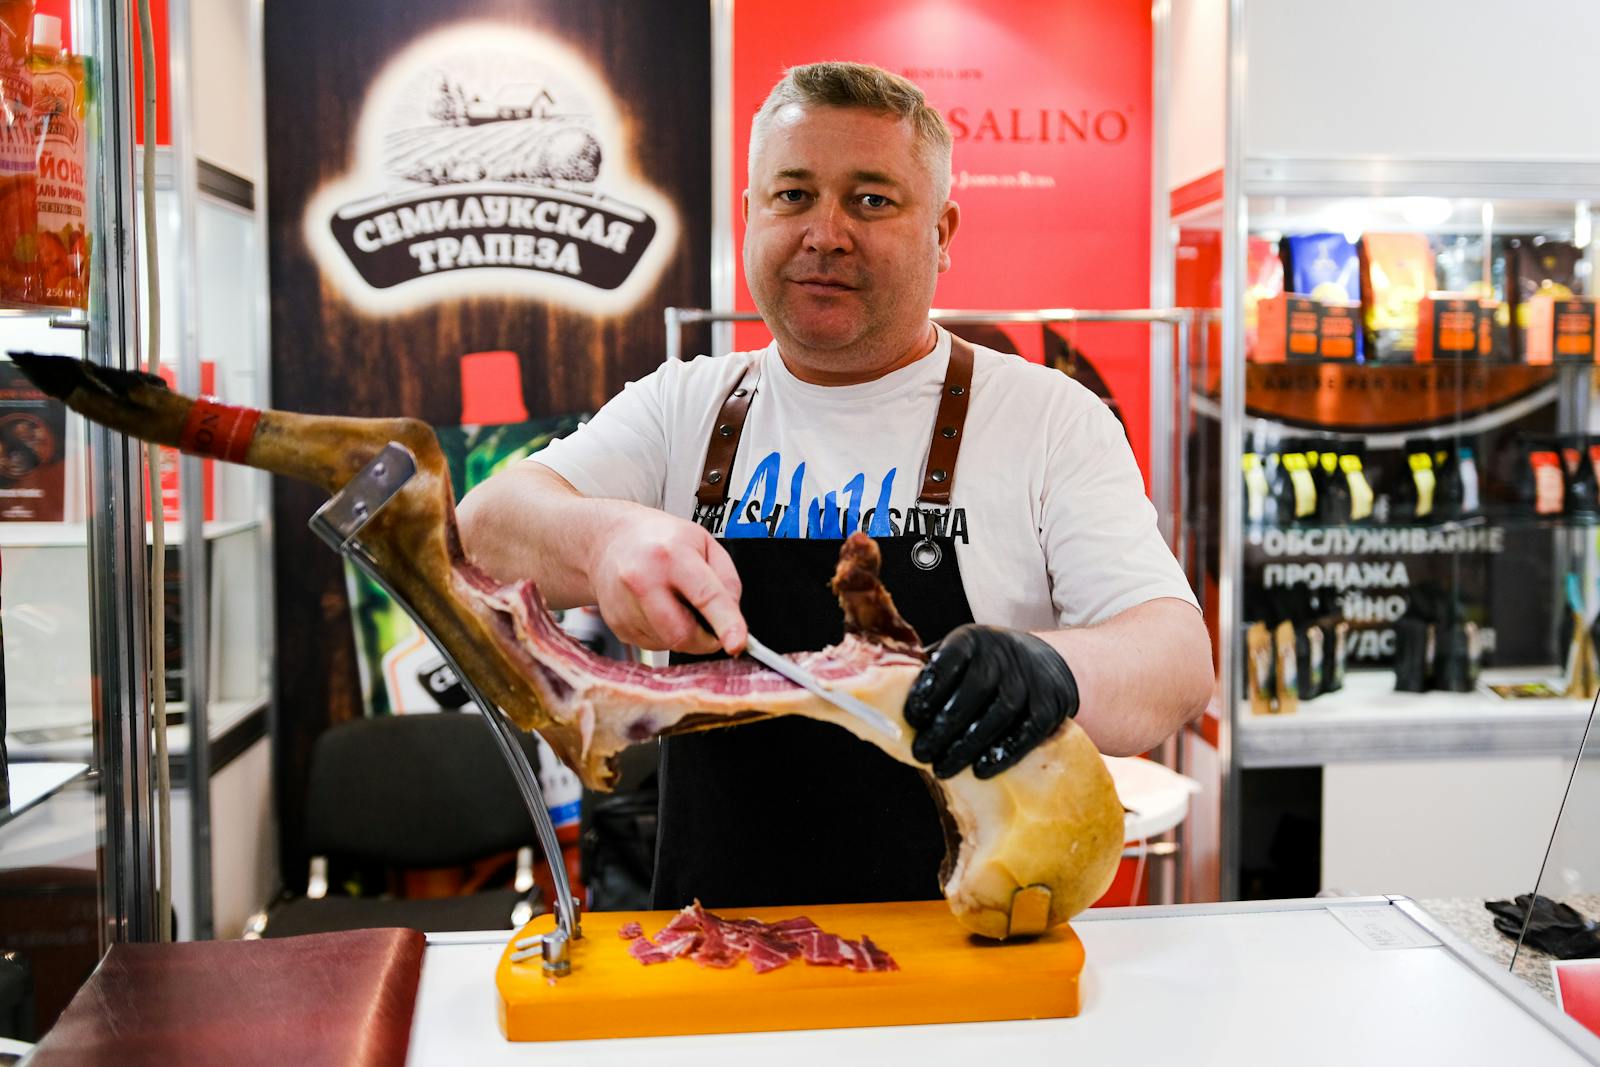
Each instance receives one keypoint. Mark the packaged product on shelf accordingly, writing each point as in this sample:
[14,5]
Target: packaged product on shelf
[1285,660]
[1324,266]
[1336,652]
[1460,270]
[1333,489]
[1283,498]
[1337,490]
[59,104]
[1355,475]
[1327,268]
[1263,281]
[1534,268]
[1259,675]
[1459,657]
[1558,330]
[1466,465]
[1338,329]
[33,433]
[1288,328]
[1309,651]
[1581,498]
[1413,653]
[1582,672]
[1302,487]
[1257,493]
[1450,489]
[1458,266]
[1492,332]
[1396,273]
[1538,482]
[1449,326]
[1412,495]
[18,165]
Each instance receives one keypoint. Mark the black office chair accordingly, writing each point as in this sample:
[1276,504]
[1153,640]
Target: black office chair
[411,791]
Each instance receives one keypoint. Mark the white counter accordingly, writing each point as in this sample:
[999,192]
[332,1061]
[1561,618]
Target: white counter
[1267,982]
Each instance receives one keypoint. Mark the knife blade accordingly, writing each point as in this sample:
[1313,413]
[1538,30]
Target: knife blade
[862,711]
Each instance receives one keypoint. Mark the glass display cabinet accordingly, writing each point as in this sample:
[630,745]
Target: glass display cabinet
[1393,506]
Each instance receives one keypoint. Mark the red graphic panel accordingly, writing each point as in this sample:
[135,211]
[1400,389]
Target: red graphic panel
[158,26]
[1049,106]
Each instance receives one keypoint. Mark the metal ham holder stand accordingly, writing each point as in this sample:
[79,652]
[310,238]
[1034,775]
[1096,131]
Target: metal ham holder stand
[339,522]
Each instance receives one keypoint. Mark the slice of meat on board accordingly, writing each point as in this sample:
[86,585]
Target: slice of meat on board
[712,941]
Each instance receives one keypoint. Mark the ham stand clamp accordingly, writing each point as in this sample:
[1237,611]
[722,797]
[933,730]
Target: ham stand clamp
[339,523]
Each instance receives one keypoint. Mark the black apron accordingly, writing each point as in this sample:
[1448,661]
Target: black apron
[792,811]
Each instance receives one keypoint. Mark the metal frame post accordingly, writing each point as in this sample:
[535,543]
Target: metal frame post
[115,528]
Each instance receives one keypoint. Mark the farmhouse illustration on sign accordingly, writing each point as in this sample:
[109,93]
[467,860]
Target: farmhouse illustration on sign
[490,159]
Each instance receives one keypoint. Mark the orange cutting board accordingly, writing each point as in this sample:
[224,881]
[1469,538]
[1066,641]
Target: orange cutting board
[946,975]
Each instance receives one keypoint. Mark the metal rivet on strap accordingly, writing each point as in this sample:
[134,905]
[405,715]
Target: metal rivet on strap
[939,475]
[741,391]
[948,431]
[714,477]
[725,430]
[957,390]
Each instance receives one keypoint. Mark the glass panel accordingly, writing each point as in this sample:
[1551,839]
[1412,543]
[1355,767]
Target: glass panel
[50,813]
[228,268]
[1197,284]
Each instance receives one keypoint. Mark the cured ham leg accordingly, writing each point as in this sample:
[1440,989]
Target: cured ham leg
[1028,848]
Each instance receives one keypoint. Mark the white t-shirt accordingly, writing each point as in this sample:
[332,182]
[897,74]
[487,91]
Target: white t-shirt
[1048,513]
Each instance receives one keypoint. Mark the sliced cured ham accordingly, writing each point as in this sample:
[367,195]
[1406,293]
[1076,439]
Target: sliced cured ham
[712,941]
[1048,831]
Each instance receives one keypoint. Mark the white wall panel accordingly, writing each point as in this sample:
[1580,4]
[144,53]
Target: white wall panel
[1423,79]
[1454,828]
[227,121]
[1196,145]
[1202,856]
[244,865]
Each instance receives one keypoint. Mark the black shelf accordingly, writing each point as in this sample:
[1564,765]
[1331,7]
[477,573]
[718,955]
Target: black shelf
[1506,520]
[1437,361]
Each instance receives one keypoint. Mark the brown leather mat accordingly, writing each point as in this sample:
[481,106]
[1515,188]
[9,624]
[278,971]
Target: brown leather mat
[337,999]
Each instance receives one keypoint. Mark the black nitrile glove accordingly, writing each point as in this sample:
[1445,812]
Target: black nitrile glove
[1554,927]
[986,698]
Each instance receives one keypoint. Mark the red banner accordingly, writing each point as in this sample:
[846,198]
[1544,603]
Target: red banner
[1049,106]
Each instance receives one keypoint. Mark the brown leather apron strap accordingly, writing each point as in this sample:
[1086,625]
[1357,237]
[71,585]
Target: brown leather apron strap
[940,475]
[725,431]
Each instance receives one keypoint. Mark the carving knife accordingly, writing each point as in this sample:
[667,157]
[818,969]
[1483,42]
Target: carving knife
[862,711]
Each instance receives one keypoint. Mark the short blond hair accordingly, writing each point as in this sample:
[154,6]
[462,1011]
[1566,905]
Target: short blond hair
[861,85]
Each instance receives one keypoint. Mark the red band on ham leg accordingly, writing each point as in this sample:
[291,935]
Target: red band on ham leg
[220,430]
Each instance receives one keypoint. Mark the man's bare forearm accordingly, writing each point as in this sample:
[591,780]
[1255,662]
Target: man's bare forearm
[529,522]
[1141,674]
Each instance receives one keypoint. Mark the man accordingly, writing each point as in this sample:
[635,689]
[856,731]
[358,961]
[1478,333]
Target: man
[855,418]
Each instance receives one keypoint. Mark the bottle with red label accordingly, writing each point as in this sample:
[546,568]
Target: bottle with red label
[1539,483]
[19,168]
[1581,497]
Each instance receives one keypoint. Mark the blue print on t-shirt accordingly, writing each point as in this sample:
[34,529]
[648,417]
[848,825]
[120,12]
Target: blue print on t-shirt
[824,519]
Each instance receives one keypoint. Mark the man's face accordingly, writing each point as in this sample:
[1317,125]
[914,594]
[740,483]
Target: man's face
[844,240]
